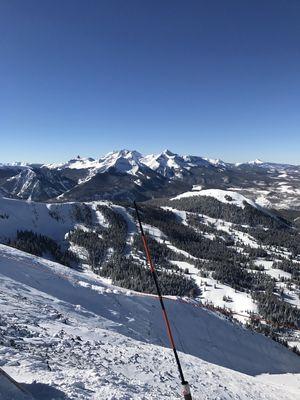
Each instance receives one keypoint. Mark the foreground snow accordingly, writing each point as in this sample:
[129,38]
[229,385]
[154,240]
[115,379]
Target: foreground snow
[81,338]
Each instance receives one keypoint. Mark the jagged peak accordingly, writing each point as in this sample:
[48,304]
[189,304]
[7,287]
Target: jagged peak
[168,153]
[134,154]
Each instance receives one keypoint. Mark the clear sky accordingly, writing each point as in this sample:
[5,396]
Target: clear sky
[217,78]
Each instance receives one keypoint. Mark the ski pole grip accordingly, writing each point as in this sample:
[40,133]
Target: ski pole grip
[186,391]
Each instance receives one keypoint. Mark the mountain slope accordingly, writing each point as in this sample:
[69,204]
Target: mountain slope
[34,183]
[224,196]
[222,249]
[126,174]
[89,339]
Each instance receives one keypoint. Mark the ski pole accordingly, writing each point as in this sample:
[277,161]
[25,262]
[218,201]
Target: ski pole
[186,389]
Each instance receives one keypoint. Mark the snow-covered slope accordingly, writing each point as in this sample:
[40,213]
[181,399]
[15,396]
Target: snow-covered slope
[217,162]
[34,183]
[123,161]
[166,163]
[53,220]
[224,196]
[91,340]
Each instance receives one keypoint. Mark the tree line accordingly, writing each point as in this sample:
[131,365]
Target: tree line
[41,245]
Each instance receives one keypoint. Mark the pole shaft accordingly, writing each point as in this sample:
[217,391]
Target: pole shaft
[164,312]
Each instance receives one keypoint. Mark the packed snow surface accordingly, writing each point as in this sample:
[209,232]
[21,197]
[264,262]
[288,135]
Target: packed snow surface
[70,333]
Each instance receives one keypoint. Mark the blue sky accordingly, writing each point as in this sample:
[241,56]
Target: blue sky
[214,78]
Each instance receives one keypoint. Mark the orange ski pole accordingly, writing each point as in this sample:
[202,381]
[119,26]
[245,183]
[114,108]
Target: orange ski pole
[186,389]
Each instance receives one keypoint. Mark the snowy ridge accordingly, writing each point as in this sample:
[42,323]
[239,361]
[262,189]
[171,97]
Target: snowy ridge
[216,161]
[16,164]
[23,181]
[224,196]
[174,165]
[122,161]
[153,161]
[127,174]
[25,215]
[76,163]
[104,342]
[166,163]
[257,161]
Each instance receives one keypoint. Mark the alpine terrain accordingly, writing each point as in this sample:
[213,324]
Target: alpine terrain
[80,318]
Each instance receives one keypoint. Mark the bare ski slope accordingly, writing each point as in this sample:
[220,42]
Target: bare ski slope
[90,340]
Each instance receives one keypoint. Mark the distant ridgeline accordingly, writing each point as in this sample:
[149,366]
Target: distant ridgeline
[128,175]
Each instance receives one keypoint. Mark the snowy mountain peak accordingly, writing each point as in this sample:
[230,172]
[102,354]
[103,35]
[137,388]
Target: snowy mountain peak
[154,174]
[74,163]
[257,161]
[173,165]
[126,161]
[166,163]
[215,161]
[168,153]
[129,154]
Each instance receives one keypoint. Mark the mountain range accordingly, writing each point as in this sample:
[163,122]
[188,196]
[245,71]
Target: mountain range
[128,175]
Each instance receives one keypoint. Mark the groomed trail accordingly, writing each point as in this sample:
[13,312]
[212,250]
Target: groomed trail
[86,339]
